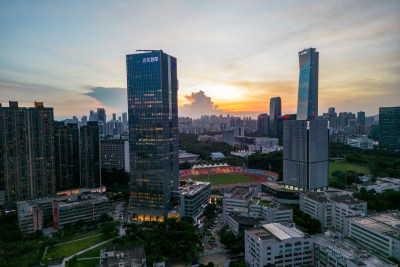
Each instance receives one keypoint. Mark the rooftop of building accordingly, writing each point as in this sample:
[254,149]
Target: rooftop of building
[278,206]
[276,231]
[239,192]
[347,200]
[81,199]
[193,188]
[282,232]
[385,222]
[389,180]
[244,220]
[131,256]
[217,155]
[260,233]
[183,155]
[317,197]
[345,249]
[278,187]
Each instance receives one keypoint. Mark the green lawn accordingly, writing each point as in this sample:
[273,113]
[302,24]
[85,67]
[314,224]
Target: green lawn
[85,263]
[73,247]
[342,166]
[83,236]
[94,252]
[224,179]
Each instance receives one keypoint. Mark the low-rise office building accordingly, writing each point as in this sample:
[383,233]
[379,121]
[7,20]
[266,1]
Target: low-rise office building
[244,202]
[85,207]
[32,214]
[187,157]
[278,245]
[237,201]
[360,142]
[30,217]
[272,212]
[329,251]
[378,232]
[193,198]
[73,205]
[385,183]
[330,208]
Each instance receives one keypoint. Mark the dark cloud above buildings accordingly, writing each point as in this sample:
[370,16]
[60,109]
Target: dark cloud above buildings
[200,104]
[114,97]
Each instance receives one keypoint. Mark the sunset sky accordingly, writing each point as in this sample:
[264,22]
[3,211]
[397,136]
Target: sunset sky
[233,56]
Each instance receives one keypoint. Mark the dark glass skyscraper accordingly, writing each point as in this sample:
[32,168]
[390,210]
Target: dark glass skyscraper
[262,124]
[306,140]
[307,105]
[153,133]
[305,154]
[275,110]
[389,128]
[361,118]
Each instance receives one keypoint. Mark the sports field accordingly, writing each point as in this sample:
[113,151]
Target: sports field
[223,179]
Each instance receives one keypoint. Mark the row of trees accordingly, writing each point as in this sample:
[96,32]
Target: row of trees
[305,221]
[235,244]
[388,200]
[381,162]
[14,245]
[344,178]
[172,241]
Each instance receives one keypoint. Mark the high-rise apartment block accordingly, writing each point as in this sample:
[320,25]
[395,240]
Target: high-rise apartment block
[275,111]
[153,133]
[307,106]
[115,154]
[102,120]
[67,155]
[389,128]
[27,151]
[125,118]
[263,124]
[90,155]
[361,118]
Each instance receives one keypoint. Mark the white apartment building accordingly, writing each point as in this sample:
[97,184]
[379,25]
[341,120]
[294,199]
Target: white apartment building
[379,232]
[278,245]
[335,252]
[331,209]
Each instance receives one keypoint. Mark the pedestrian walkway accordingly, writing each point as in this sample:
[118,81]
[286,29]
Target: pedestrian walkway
[92,247]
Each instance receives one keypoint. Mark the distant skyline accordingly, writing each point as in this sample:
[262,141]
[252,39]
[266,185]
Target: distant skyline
[232,56]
